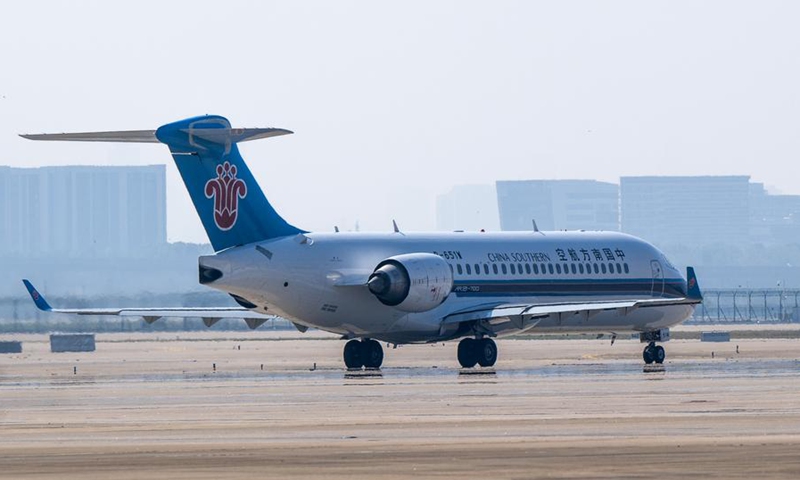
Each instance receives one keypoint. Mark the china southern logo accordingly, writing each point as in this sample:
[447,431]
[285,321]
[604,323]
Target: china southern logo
[226,190]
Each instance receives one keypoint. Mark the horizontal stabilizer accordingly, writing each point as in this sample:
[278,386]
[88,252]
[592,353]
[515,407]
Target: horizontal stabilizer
[129,136]
[235,135]
[221,136]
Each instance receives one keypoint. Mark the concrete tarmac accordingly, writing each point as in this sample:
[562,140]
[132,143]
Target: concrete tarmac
[153,406]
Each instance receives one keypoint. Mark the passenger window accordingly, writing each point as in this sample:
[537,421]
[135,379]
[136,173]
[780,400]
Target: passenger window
[485,269]
[610,268]
[513,269]
[469,269]
[544,269]
[528,268]
[503,267]
[603,267]
[536,269]
[460,271]
[580,267]
[478,269]
[596,268]
[625,266]
[619,268]
[574,270]
[558,268]
[494,268]
[550,268]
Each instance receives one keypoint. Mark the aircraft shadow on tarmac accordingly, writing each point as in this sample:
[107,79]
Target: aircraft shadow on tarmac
[377,373]
[365,374]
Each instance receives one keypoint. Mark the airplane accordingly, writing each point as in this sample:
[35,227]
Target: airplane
[399,287]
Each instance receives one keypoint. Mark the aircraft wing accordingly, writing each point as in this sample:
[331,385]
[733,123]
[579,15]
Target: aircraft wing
[525,316]
[523,313]
[210,316]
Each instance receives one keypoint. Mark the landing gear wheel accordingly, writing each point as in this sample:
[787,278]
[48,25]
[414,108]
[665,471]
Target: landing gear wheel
[372,353]
[486,352]
[353,354]
[654,353]
[467,354]
[648,354]
[659,354]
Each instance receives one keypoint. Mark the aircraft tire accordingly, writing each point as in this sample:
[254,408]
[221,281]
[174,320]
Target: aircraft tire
[354,354]
[486,351]
[467,352]
[659,354]
[648,355]
[372,353]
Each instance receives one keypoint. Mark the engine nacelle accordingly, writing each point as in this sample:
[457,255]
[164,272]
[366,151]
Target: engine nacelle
[413,282]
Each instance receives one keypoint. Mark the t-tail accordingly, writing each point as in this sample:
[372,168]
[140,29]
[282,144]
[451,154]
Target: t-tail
[231,205]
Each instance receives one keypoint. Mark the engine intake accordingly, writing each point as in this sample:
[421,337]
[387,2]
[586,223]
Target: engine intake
[413,282]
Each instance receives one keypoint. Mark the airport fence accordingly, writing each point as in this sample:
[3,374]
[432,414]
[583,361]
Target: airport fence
[743,305]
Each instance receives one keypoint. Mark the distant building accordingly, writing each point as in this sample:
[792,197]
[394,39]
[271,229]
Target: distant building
[82,210]
[558,205]
[467,207]
[774,219]
[693,211]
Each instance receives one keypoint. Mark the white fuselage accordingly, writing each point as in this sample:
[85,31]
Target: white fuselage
[319,280]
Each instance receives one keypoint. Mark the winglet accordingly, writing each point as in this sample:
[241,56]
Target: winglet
[38,299]
[693,288]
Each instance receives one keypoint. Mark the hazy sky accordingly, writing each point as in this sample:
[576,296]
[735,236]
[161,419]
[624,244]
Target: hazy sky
[393,103]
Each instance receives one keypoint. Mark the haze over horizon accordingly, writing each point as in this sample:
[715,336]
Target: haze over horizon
[393,104]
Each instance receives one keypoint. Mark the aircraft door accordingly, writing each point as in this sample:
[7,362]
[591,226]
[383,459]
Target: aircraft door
[657,288]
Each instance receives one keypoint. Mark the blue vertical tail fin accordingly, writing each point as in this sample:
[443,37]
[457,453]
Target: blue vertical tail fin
[231,205]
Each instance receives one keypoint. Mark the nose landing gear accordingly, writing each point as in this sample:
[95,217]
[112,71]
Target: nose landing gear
[481,351]
[653,353]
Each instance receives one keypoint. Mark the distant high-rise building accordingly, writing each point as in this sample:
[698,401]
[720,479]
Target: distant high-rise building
[774,219]
[467,207]
[558,205]
[82,210]
[700,210]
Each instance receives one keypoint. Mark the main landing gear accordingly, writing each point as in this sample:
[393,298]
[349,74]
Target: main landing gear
[481,351]
[363,353]
[653,353]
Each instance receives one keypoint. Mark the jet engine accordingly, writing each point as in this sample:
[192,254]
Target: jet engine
[413,282]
